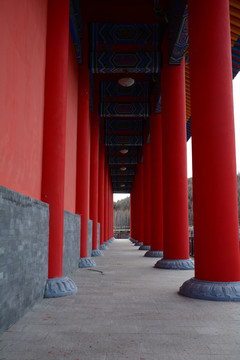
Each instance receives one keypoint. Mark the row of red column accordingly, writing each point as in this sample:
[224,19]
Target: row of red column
[93,186]
[217,261]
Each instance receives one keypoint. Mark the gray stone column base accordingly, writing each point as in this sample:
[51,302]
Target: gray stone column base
[110,241]
[134,241]
[154,253]
[145,247]
[86,262]
[97,253]
[211,290]
[58,287]
[175,264]
[103,247]
[138,244]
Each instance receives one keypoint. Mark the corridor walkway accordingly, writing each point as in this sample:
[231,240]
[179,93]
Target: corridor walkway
[125,309]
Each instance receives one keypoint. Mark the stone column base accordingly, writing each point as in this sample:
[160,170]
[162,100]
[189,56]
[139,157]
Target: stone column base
[138,244]
[211,290]
[110,241]
[145,247]
[103,247]
[97,253]
[175,264]
[154,253]
[58,287]
[86,262]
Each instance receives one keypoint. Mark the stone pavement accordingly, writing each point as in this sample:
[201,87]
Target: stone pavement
[125,309]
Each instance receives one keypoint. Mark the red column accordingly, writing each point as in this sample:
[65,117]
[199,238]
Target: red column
[131,216]
[110,211]
[137,217]
[106,200]
[146,198]
[156,186]
[175,192]
[133,211]
[101,196]
[140,205]
[94,169]
[83,155]
[216,243]
[53,170]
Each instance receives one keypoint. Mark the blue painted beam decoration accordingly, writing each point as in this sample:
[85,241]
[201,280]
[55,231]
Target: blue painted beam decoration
[178,32]
[124,33]
[236,57]
[189,129]
[115,171]
[122,160]
[114,89]
[126,179]
[125,62]
[124,140]
[115,151]
[114,125]
[141,110]
[75,25]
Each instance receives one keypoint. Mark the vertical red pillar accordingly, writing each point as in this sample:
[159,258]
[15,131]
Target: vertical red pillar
[140,204]
[94,163]
[175,192]
[110,210]
[131,215]
[106,200]
[83,154]
[146,198]
[216,243]
[101,184]
[137,218]
[156,186]
[53,170]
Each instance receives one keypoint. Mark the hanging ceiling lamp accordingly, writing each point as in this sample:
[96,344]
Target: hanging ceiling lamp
[123,168]
[126,81]
[123,150]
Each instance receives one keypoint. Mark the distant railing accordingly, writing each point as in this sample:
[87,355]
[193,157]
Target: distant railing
[122,232]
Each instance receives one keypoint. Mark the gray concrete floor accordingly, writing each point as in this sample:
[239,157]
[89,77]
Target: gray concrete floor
[125,310]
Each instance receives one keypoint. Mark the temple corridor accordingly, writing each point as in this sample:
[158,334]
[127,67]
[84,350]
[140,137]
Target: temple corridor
[125,309]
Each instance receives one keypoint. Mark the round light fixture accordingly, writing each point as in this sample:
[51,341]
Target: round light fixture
[123,151]
[123,168]
[122,185]
[126,82]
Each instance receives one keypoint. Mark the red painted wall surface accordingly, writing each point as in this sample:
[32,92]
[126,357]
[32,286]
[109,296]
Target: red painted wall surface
[71,131]
[22,73]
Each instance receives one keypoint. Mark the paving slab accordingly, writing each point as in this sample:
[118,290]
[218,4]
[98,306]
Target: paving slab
[125,309]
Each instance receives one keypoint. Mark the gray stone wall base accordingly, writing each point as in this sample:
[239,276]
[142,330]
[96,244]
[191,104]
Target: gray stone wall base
[89,245]
[154,253]
[86,262]
[97,253]
[59,287]
[138,244]
[24,224]
[103,247]
[145,247]
[175,264]
[71,242]
[211,290]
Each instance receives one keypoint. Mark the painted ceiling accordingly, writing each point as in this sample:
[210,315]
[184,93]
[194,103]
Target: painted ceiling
[131,49]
